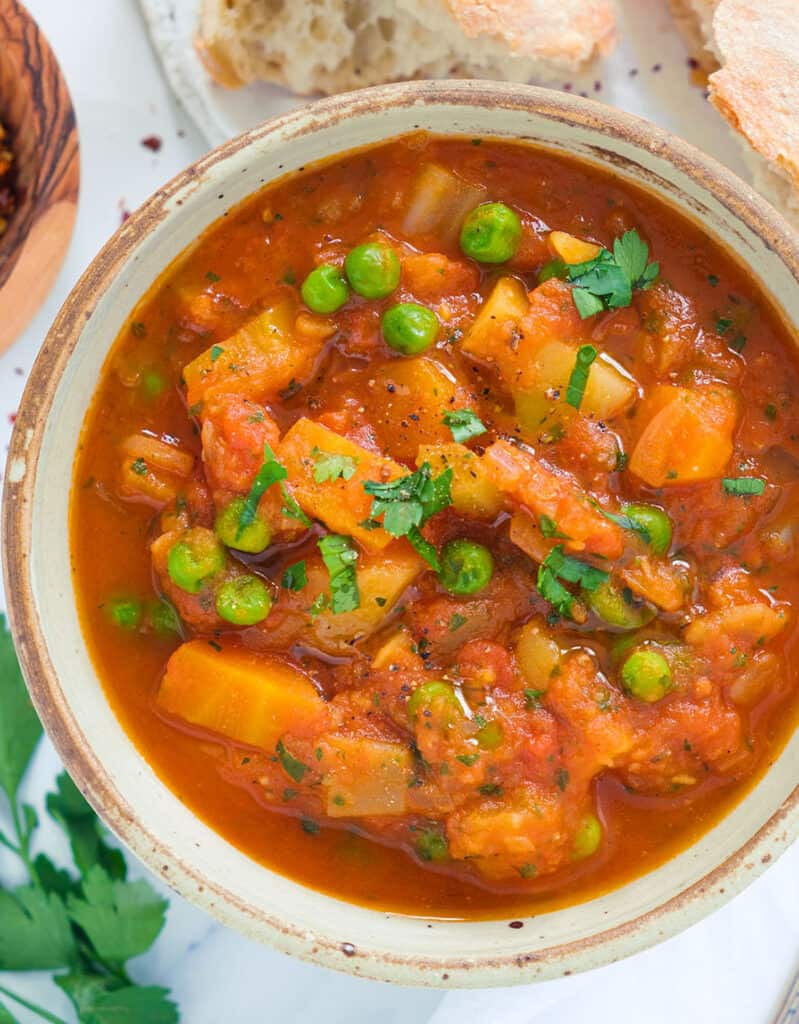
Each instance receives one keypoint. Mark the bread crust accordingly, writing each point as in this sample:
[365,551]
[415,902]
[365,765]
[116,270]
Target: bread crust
[570,31]
[508,39]
[757,87]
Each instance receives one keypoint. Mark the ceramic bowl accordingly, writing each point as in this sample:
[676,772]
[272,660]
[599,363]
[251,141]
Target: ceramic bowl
[140,809]
[36,109]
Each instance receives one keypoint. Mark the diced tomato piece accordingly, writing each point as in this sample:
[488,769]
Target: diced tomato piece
[557,496]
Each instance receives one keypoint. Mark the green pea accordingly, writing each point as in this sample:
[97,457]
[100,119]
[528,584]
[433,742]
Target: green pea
[588,837]
[244,601]
[491,736]
[491,233]
[325,290]
[653,523]
[466,567]
[430,692]
[162,617]
[125,612]
[153,384]
[555,268]
[646,675]
[432,845]
[373,269]
[253,539]
[196,557]
[617,606]
[409,328]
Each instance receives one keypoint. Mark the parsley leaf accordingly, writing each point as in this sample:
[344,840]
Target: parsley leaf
[464,424]
[549,528]
[743,485]
[294,577]
[608,280]
[34,931]
[68,807]
[107,1000]
[626,523]
[291,766]
[456,622]
[19,727]
[340,555]
[578,380]
[406,505]
[121,919]
[556,567]
[331,466]
[5,1016]
[271,472]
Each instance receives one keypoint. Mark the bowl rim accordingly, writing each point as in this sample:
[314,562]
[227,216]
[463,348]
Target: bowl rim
[717,886]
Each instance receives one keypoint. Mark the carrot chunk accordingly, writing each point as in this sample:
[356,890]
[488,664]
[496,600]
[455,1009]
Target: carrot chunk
[557,496]
[342,504]
[247,697]
[687,435]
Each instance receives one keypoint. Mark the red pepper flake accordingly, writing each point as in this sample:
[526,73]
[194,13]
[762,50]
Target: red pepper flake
[19,371]
[692,63]
[12,418]
[124,212]
[657,67]
[152,142]
[516,924]
[567,86]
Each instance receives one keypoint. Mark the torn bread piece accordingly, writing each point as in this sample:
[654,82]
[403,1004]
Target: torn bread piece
[752,49]
[329,46]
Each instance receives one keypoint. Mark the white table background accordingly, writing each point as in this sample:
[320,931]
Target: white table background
[733,967]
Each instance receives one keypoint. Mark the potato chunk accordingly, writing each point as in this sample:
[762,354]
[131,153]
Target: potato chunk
[366,777]
[261,359]
[687,436]
[406,405]
[249,698]
[572,249]
[505,306]
[341,504]
[473,491]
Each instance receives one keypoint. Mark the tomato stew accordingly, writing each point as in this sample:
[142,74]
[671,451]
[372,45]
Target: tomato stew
[434,528]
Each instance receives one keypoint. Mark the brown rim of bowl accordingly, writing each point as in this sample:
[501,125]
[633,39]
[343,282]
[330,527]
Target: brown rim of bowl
[678,912]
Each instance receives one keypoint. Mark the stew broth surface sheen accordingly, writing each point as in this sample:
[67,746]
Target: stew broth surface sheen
[549,765]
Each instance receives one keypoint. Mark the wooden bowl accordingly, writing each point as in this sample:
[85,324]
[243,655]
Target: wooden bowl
[36,108]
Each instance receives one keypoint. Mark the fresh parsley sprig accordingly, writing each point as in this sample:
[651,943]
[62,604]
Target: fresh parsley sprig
[464,424]
[340,555]
[329,466]
[86,925]
[406,505]
[558,566]
[610,278]
[271,472]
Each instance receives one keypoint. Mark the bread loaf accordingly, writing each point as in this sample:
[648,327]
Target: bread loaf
[330,46]
[752,49]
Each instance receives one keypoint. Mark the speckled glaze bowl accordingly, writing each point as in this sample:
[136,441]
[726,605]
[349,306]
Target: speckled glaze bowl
[146,815]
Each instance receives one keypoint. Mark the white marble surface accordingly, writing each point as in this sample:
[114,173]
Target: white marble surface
[730,968]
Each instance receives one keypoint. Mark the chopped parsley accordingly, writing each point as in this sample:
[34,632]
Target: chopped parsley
[464,424]
[562,779]
[406,505]
[331,466]
[271,472]
[320,604]
[556,567]
[294,577]
[468,759]
[310,826]
[626,523]
[216,352]
[723,324]
[340,555]
[456,622]
[532,698]
[609,279]
[549,528]
[139,467]
[212,277]
[578,380]
[291,766]
[743,485]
